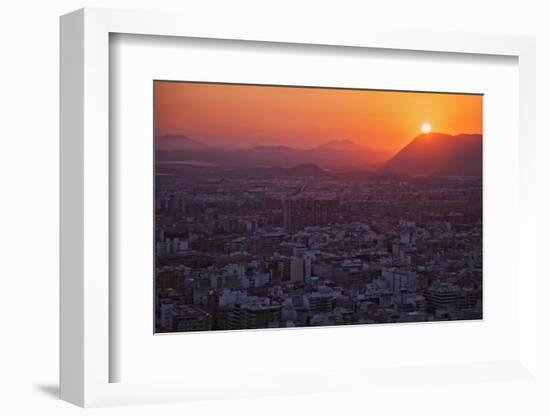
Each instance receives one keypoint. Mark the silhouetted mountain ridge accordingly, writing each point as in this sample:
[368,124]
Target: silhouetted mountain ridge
[178,142]
[439,154]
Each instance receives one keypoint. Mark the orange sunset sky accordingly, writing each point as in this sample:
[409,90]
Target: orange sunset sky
[245,116]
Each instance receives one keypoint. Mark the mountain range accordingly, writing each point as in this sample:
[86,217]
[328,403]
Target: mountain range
[426,155]
[336,154]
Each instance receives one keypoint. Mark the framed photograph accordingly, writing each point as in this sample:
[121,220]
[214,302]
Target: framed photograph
[268,211]
[265,220]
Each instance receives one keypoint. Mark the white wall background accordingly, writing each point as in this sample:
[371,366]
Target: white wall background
[29,206]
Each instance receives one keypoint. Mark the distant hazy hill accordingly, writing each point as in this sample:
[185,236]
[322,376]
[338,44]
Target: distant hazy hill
[439,154]
[178,142]
[342,145]
[306,169]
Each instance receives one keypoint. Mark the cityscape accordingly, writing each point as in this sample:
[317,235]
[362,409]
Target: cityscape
[264,230]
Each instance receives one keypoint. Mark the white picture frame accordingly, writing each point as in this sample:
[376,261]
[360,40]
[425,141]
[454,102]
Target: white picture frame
[85,183]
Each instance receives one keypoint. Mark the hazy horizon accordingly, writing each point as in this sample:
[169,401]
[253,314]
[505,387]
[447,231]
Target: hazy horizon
[223,145]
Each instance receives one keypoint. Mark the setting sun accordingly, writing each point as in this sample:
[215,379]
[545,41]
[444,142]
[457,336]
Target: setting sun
[426,128]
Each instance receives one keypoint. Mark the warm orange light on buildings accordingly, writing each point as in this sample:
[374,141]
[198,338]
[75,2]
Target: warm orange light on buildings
[243,115]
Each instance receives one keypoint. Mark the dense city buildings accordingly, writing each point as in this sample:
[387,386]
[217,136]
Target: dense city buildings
[246,249]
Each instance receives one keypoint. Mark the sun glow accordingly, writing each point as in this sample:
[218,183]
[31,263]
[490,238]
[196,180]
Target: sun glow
[426,128]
